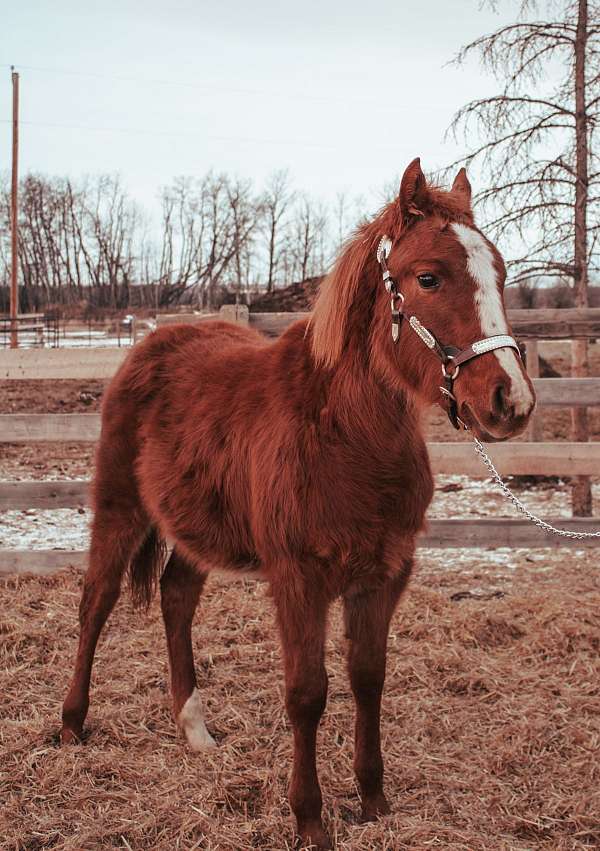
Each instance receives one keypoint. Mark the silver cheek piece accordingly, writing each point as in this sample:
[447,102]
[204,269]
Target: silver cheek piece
[383,249]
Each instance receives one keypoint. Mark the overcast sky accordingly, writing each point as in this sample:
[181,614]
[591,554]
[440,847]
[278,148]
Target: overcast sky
[343,93]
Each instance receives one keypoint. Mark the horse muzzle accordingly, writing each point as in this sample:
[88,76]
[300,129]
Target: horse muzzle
[503,412]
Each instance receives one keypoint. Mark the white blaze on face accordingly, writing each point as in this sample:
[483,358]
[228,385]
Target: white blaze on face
[480,265]
[191,721]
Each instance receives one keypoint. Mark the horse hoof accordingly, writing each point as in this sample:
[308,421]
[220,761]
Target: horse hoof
[200,740]
[191,721]
[372,810]
[315,838]
[70,737]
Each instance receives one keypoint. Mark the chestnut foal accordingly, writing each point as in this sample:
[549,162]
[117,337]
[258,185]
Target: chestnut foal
[303,461]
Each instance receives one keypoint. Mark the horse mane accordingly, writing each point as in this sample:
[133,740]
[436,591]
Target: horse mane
[339,288]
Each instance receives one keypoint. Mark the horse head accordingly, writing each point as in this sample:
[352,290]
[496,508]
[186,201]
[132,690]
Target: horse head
[418,294]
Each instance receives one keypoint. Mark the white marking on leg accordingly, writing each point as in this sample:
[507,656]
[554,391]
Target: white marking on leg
[191,721]
[480,264]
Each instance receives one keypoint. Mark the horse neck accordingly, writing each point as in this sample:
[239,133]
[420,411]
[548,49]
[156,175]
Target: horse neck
[367,409]
[363,409]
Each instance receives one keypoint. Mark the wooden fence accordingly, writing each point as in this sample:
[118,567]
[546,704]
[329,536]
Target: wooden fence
[517,458]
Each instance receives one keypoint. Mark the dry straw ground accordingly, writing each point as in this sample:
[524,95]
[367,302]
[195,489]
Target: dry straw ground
[491,720]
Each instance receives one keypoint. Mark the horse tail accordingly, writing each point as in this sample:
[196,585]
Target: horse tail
[145,568]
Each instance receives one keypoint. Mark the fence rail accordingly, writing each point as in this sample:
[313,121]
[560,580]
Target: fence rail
[64,428]
[542,324]
[102,363]
[518,458]
[88,364]
[483,534]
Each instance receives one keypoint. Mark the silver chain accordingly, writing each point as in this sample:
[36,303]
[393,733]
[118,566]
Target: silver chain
[564,533]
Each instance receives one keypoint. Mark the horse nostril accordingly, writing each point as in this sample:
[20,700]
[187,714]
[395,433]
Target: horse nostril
[500,404]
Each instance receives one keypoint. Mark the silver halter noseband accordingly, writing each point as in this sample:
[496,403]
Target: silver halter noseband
[450,356]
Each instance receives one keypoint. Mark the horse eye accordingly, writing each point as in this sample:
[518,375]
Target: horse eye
[428,281]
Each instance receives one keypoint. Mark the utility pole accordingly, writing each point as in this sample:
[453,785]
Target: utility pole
[14,214]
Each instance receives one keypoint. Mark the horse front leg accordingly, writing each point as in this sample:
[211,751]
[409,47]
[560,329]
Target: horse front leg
[302,615]
[367,617]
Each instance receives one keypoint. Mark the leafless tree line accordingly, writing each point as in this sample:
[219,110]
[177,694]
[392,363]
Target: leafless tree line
[72,236]
[87,240]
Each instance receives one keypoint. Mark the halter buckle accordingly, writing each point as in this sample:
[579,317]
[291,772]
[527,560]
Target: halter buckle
[389,283]
[451,375]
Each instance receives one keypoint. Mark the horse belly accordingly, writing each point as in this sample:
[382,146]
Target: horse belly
[196,516]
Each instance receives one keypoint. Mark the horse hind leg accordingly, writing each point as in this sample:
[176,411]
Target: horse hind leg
[180,587]
[117,536]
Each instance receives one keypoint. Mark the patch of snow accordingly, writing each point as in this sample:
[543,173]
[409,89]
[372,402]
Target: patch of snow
[52,529]
[483,498]
[68,529]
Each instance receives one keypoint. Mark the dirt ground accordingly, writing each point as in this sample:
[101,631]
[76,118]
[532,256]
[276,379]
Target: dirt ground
[491,719]
[491,722]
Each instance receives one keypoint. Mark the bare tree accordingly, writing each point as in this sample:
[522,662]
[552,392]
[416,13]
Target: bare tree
[218,246]
[182,232]
[165,265]
[74,237]
[560,294]
[112,221]
[349,212]
[340,213]
[541,170]
[307,235]
[528,292]
[275,203]
[209,225]
[245,213]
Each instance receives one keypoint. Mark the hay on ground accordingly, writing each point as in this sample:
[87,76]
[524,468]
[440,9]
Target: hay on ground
[491,726]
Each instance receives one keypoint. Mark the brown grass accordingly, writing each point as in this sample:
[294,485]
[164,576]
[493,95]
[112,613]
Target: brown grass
[491,725]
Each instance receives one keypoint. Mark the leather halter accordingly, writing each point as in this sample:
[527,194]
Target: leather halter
[450,356]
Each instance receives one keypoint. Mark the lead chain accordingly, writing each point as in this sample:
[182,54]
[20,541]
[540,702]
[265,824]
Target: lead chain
[564,533]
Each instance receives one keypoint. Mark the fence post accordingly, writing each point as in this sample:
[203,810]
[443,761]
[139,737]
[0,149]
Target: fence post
[532,364]
[581,495]
[235,313]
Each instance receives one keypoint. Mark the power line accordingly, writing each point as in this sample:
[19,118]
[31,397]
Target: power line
[200,87]
[183,133]
[142,131]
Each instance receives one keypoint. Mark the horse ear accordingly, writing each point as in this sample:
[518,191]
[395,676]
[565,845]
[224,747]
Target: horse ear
[461,184]
[413,189]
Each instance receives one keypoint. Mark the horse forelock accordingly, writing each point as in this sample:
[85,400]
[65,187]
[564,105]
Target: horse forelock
[356,266]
